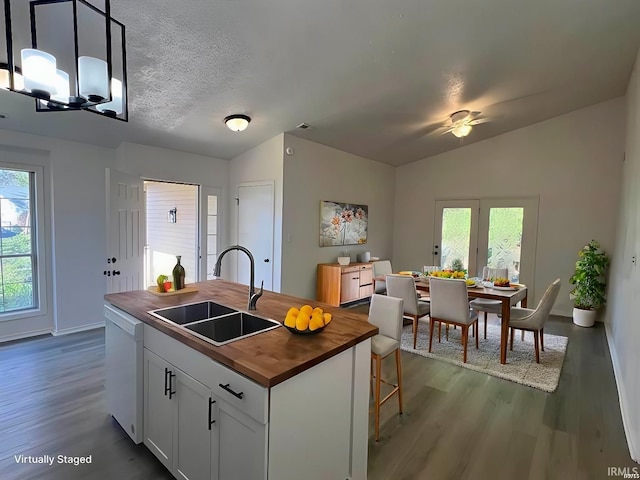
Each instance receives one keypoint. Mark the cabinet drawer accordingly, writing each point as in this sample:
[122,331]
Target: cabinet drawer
[255,397]
[366,291]
[355,268]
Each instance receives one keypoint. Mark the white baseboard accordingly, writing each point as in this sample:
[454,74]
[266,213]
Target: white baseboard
[20,336]
[624,404]
[81,328]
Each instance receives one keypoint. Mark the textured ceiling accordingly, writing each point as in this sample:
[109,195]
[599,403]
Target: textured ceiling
[372,77]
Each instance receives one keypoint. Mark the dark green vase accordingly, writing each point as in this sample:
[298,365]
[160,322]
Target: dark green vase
[178,275]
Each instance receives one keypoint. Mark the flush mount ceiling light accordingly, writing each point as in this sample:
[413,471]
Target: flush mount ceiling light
[67,54]
[237,122]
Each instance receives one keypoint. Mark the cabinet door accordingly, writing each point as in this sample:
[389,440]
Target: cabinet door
[242,448]
[158,407]
[349,287]
[366,276]
[192,440]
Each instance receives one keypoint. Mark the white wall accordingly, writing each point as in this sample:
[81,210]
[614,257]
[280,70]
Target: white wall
[167,240]
[76,222]
[316,172]
[76,233]
[263,162]
[572,162]
[623,328]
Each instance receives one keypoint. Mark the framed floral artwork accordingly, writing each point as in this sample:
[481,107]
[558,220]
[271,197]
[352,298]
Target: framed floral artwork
[343,223]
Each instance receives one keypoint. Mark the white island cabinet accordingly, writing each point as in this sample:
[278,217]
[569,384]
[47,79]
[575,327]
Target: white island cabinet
[205,421]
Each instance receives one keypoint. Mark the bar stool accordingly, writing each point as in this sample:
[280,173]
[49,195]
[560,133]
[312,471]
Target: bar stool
[386,314]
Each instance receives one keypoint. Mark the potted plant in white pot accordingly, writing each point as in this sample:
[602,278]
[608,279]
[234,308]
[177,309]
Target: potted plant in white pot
[588,293]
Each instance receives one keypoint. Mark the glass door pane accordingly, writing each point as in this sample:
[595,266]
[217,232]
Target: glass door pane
[456,234]
[212,234]
[505,239]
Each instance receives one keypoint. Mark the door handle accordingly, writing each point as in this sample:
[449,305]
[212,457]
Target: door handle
[211,420]
[116,272]
[172,392]
[435,251]
[166,374]
[235,394]
[111,260]
[266,260]
[107,273]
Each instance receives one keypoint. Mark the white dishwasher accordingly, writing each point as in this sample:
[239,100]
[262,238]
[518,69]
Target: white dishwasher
[124,370]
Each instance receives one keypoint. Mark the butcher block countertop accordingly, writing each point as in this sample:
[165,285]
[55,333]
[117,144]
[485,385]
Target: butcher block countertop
[267,358]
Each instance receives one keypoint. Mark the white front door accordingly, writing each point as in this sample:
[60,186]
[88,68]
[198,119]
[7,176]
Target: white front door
[255,232]
[125,231]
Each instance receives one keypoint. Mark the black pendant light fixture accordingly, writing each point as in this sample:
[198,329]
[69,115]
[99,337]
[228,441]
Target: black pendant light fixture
[67,54]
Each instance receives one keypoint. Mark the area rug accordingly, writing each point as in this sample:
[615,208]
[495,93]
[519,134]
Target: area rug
[521,366]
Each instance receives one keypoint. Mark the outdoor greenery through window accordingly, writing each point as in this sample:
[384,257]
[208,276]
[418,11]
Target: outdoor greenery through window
[17,253]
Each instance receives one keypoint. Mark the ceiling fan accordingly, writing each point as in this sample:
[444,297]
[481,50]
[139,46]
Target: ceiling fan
[462,121]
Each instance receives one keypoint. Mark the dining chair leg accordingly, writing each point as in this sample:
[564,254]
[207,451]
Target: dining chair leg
[431,334]
[415,331]
[485,325]
[535,343]
[522,336]
[512,333]
[377,399]
[477,336]
[542,339]
[399,373]
[465,335]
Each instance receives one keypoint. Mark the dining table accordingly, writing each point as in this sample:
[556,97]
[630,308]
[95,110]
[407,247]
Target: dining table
[507,297]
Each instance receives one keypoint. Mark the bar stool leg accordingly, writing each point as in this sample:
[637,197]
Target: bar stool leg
[399,373]
[377,399]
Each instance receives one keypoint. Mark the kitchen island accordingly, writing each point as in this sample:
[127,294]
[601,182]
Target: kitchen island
[270,406]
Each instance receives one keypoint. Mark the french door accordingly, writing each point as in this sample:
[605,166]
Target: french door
[497,232]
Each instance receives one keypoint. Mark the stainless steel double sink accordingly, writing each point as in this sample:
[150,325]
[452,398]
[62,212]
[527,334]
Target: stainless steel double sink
[215,323]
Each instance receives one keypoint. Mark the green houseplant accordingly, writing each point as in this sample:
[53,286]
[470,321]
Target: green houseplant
[589,291]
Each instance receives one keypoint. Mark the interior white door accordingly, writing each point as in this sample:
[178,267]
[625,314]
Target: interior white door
[125,231]
[255,232]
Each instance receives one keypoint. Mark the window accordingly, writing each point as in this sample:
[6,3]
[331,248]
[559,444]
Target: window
[18,246]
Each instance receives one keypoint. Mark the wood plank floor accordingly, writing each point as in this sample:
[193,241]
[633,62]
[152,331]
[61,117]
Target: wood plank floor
[458,424]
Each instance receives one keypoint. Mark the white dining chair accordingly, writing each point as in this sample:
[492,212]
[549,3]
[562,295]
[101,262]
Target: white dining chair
[450,305]
[533,320]
[404,286]
[386,314]
[381,268]
[485,305]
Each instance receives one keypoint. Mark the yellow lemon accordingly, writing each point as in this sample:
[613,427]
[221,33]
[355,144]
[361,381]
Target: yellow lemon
[293,311]
[290,320]
[308,309]
[316,322]
[302,322]
[327,318]
[317,310]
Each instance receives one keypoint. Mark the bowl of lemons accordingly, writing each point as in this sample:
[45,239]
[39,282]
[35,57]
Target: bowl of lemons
[306,320]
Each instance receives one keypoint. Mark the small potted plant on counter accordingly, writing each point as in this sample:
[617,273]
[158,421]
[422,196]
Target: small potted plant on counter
[588,293]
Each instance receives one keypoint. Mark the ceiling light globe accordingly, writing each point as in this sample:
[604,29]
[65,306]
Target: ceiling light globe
[461,130]
[237,123]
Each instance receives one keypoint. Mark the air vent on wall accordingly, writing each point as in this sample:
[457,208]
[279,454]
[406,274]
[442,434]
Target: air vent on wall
[304,126]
